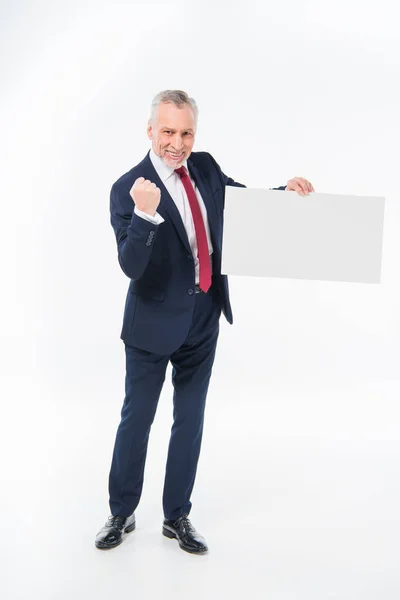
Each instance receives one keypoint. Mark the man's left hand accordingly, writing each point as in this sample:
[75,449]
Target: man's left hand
[300,185]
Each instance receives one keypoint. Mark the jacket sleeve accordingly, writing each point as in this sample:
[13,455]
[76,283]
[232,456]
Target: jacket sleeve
[135,236]
[229,181]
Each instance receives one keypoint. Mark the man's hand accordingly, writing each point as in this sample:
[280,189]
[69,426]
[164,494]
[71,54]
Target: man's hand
[300,185]
[146,195]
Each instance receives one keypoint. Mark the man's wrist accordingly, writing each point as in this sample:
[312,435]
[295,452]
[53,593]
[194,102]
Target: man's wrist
[156,219]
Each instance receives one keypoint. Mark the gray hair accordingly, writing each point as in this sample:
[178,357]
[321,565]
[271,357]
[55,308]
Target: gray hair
[177,97]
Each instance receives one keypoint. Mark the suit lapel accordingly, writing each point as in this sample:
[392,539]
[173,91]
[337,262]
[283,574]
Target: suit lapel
[207,196]
[167,207]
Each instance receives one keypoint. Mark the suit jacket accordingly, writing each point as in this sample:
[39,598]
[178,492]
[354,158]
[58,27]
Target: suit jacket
[158,258]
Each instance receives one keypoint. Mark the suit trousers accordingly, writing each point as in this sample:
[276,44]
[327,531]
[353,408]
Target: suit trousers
[145,375]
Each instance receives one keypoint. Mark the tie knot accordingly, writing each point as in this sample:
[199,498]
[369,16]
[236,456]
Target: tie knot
[181,171]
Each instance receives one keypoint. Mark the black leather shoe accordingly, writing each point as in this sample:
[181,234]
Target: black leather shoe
[114,531]
[185,533]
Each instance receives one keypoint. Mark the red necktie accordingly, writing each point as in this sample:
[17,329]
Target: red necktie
[201,237]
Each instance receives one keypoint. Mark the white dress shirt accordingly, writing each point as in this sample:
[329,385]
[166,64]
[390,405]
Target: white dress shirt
[174,185]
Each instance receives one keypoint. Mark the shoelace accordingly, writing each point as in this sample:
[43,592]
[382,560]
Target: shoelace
[117,522]
[185,524]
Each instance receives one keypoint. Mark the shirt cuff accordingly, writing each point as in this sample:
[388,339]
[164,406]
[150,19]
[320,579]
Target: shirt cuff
[156,220]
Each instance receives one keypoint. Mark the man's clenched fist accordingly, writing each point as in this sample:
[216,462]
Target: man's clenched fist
[146,195]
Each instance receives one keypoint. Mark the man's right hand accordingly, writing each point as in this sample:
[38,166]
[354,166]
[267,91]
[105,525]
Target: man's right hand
[146,195]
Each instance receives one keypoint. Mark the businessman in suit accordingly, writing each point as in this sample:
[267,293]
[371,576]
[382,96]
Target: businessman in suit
[167,215]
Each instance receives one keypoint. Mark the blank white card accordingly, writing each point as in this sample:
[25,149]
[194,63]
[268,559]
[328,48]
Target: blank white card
[274,233]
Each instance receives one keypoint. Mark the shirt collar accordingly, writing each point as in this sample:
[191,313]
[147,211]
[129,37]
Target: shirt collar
[163,170]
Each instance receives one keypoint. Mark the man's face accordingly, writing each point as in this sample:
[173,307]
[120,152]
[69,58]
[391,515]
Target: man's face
[172,133]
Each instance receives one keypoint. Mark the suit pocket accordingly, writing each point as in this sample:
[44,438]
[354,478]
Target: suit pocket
[148,294]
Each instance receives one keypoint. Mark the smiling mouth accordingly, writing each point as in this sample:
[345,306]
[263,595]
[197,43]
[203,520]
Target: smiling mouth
[176,156]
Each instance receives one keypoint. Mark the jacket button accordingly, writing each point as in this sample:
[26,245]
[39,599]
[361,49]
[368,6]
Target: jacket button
[190,291]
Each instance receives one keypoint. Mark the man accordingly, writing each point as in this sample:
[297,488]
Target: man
[167,215]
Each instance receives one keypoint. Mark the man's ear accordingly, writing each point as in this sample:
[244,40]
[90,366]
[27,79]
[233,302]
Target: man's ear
[149,130]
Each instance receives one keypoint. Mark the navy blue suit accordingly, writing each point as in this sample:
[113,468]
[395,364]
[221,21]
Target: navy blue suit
[165,320]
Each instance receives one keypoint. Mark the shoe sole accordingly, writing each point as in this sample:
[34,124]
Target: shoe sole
[100,545]
[172,535]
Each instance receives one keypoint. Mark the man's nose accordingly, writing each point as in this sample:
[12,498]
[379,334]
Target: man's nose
[177,141]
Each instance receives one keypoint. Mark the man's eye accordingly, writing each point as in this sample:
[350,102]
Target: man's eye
[167,132]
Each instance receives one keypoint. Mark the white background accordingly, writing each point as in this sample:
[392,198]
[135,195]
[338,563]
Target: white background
[297,491]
